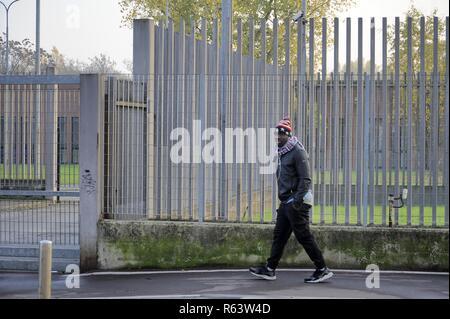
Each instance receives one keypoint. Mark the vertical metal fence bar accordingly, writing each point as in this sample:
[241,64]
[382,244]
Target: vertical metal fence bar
[128,147]
[275,105]
[446,129]
[377,130]
[422,120]
[142,141]
[256,125]
[250,106]
[372,150]
[348,126]
[7,148]
[263,111]
[435,121]
[192,109]
[225,63]
[160,108]
[13,141]
[410,123]
[324,152]
[203,89]
[131,146]
[140,115]
[384,134]
[9,144]
[3,138]
[360,126]
[29,134]
[113,146]
[21,148]
[287,64]
[33,132]
[108,148]
[239,115]
[300,78]
[336,118]
[170,114]
[157,125]
[181,114]
[366,143]
[312,110]
[22,129]
[215,91]
[123,188]
[396,149]
[138,131]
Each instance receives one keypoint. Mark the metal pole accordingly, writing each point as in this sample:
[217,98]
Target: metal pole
[225,55]
[422,125]
[304,36]
[7,32]
[38,37]
[366,143]
[348,127]
[45,270]
[435,121]
[38,95]
[203,90]
[384,104]
[7,40]
[409,113]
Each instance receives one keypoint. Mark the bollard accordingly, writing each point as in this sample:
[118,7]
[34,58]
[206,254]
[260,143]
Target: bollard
[45,270]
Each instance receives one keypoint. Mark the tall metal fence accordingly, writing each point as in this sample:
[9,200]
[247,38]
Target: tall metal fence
[368,134]
[39,170]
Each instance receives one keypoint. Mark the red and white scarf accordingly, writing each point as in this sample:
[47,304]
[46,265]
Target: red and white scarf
[290,144]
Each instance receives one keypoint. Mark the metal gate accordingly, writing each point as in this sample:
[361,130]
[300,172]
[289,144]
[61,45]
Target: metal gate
[39,170]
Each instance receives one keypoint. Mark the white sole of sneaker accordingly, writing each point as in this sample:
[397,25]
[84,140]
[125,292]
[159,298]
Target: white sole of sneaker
[327,276]
[264,277]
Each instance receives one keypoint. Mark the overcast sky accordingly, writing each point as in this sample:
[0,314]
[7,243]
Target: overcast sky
[84,28]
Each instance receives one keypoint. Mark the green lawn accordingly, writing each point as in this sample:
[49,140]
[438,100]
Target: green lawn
[68,173]
[328,215]
[328,177]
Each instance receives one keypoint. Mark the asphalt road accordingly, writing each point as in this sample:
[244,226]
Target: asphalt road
[228,284]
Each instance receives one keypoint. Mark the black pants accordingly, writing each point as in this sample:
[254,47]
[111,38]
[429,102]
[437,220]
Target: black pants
[288,220]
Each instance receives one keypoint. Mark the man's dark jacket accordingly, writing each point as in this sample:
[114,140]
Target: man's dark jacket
[293,175]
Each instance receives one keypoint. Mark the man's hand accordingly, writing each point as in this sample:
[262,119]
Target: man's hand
[304,204]
[301,206]
[296,205]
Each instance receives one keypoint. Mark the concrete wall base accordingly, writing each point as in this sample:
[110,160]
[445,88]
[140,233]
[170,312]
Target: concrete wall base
[183,245]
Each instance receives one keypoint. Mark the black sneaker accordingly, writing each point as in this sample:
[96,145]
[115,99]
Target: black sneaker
[263,272]
[319,275]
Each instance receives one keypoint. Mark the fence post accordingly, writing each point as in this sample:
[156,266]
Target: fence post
[366,143]
[51,137]
[225,62]
[144,64]
[91,165]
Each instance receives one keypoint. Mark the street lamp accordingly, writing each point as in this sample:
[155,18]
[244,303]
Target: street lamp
[7,32]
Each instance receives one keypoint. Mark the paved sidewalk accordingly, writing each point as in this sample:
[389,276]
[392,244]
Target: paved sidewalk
[229,284]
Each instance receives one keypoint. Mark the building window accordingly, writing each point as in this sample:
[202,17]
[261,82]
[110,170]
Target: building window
[75,139]
[62,140]
[2,140]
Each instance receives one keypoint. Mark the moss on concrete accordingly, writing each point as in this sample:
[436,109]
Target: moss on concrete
[180,245]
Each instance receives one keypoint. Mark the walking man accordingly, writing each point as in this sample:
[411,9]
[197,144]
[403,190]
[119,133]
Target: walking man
[294,181]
